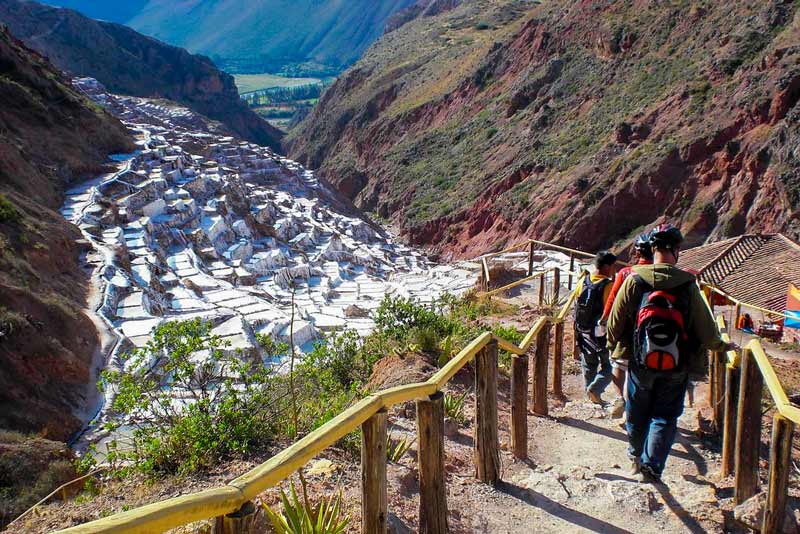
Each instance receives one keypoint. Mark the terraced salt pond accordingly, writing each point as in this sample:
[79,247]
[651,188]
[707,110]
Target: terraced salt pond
[195,224]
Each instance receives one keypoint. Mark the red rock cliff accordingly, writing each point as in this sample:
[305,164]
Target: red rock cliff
[578,121]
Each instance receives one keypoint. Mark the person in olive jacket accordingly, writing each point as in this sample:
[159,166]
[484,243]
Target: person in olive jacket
[655,395]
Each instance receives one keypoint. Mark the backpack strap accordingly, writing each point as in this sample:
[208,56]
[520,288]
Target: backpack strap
[646,287]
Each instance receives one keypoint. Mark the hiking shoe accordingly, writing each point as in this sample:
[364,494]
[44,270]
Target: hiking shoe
[648,476]
[617,408]
[636,466]
[594,397]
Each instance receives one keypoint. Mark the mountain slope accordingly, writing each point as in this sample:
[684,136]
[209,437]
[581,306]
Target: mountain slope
[46,343]
[270,35]
[577,121]
[129,63]
[119,11]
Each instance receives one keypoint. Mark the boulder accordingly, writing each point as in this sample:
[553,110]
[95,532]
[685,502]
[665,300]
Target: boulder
[751,513]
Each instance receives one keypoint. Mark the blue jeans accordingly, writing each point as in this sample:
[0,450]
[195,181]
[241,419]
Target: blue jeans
[594,354]
[654,404]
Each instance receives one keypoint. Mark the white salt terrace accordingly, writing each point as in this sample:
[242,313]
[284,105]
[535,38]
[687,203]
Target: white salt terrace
[229,234]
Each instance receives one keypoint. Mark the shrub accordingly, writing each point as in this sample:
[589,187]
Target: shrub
[229,409]
[396,317]
[8,212]
[426,338]
[509,334]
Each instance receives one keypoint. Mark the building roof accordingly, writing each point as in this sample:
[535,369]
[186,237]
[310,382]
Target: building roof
[754,268]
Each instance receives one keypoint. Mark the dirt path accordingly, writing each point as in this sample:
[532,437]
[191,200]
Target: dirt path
[577,479]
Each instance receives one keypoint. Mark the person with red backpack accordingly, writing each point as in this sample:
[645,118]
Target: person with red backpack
[663,323]
[593,293]
[642,255]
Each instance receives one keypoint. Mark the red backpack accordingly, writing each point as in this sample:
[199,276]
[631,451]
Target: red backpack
[660,338]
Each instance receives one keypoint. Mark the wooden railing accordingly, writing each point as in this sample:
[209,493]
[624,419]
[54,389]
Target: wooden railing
[231,506]
[736,382]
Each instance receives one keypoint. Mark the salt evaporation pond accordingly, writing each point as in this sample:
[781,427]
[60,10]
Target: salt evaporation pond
[198,224]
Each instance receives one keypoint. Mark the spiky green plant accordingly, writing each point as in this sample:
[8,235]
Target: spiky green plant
[396,449]
[300,516]
[454,406]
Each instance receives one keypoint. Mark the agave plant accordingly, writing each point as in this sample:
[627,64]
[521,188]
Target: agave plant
[396,449]
[300,516]
[454,406]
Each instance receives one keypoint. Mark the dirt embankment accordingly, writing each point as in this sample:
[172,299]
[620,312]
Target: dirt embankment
[52,137]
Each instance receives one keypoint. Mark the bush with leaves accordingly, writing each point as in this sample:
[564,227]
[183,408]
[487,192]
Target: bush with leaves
[228,405]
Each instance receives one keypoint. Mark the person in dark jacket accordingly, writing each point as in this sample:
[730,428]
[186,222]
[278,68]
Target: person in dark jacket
[593,293]
[655,397]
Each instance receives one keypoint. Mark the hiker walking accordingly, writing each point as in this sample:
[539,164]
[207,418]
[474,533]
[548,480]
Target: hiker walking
[663,323]
[642,255]
[589,333]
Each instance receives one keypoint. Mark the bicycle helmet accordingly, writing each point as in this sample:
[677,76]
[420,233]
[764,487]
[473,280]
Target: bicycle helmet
[642,245]
[665,236]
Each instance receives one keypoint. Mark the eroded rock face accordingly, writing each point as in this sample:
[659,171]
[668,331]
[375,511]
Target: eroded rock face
[47,343]
[547,123]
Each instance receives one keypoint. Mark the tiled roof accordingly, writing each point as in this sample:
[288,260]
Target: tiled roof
[756,269]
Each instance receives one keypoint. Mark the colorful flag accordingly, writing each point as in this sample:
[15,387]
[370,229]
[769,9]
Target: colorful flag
[793,307]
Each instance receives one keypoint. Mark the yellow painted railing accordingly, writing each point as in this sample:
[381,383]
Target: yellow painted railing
[771,381]
[171,513]
[178,511]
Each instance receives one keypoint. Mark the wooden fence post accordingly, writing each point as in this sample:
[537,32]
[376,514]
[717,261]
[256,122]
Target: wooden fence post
[712,378]
[519,406]
[718,372]
[558,359]
[719,386]
[539,382]
[571,270]
[541,288]
[780,457]
[432,490]
[748,431]
[487,447]
[556,286]
[374,498]
[484,275]
[730,403]
[531,247]
[238,522]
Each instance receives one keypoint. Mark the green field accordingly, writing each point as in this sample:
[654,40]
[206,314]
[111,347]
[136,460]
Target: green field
[247,83]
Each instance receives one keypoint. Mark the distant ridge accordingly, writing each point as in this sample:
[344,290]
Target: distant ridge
[130,63]
[301,36]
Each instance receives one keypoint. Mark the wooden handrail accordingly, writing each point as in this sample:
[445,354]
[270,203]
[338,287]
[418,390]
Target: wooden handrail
[175,512]
[776,391]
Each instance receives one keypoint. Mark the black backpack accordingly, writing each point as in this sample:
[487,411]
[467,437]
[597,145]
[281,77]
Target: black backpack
[661,342]
[590,304]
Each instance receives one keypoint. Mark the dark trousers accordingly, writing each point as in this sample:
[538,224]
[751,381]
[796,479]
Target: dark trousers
[595,361]
[654,404]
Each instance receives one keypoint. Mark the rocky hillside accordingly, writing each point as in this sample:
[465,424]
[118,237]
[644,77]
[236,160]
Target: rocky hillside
[311,36]
[579,121]
[130,63]
[46,343]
